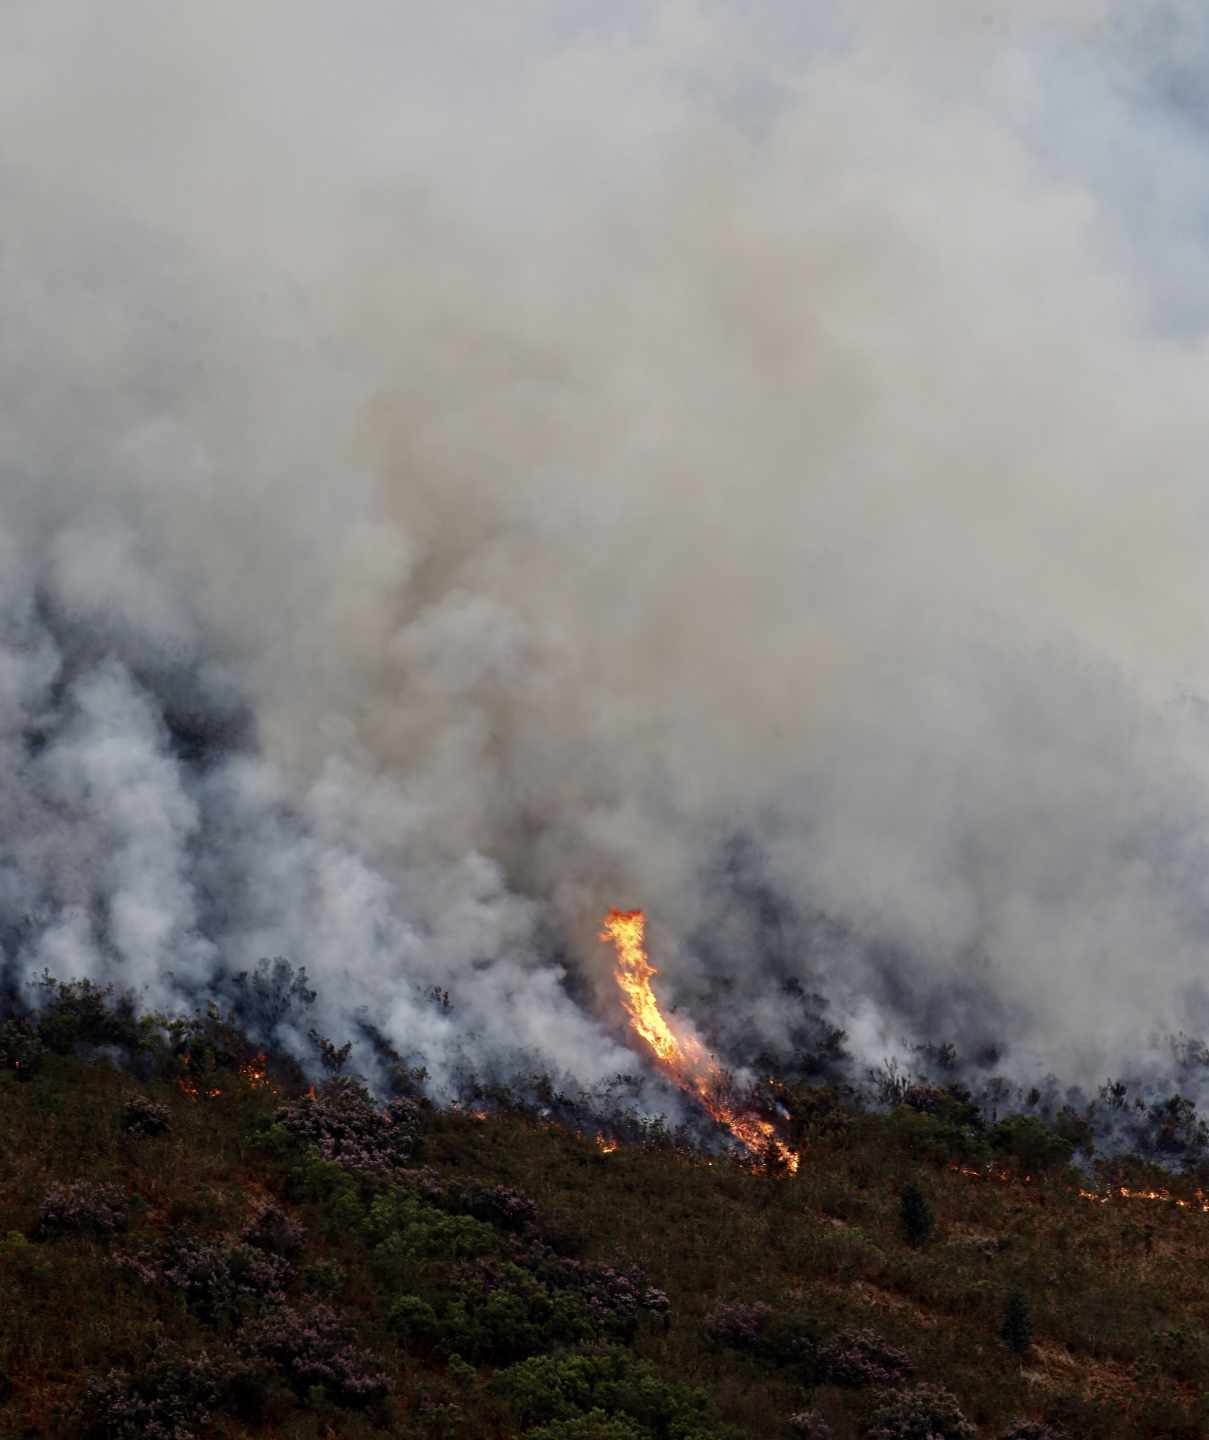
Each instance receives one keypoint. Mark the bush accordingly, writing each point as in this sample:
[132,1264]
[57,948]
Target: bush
[550,1388]
[272,1230]
[168,1398]
[503,1314]
[808,1425]
[794,1338]
[936,1137]
[497,1205]
[862,1357]
[1016,1331]
[1029,1430]
[506,1310]
[1031,1143]
[925,1412]
[346,1127]
[218,1280]
[412,1319]
[144,1117]
[615,1295]
[21,1050]
[86,1207]
[316,1347]
[736,1325]
[594,1426]
[915,1215]
[82,1013]
[325,1279]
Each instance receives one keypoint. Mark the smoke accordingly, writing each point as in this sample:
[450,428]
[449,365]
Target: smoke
[462,470]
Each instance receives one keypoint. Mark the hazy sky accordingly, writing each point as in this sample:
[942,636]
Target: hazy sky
[465,466]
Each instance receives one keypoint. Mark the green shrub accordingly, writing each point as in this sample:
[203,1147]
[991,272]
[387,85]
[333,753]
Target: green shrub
[936,1139]
[1031,1143]
[594,1426]
[412,1319]
[551,1388]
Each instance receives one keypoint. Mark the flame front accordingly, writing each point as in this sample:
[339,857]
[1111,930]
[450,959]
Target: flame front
[680,1056]
[1199,1200]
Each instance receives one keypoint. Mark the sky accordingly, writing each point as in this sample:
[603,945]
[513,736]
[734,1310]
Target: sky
[465,467]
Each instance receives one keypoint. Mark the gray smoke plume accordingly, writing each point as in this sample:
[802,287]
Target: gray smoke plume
[464,467]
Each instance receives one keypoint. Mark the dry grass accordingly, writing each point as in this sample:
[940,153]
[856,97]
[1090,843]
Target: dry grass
[1119,1293]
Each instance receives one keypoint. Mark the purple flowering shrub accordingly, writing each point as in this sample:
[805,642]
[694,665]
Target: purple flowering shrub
[924,1412]
[853,1357]
[498,1205]
[862,1357]
[737,1325]
[808,1425]
[145,1117]
[345,1125]
[87,1207]
[218,1280]
[171,1397]
[315,1347]
[615,1295]
[272,1230]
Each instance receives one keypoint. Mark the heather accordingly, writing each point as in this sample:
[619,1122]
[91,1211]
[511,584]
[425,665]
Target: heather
[202,1241]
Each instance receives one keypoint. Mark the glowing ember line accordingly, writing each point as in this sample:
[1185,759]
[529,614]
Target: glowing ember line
[1200,1200]
[682,1057]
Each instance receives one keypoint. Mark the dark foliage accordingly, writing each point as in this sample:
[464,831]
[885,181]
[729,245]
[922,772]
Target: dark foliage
[168,1397]
[924,1412]
[863,1357]
[808,1425]
[21,1048]
[1031,1144]
[85,1207]
[604,1383]
[345,1125]
[315,1347]
[272,1230]
[498,1205]
[82,1013]
[915,1215]
[738,1325]
[1016,1331]
[144,1117]
[274,992]
[506,1287]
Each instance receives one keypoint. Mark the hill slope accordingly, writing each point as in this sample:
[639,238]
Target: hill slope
[197,1245]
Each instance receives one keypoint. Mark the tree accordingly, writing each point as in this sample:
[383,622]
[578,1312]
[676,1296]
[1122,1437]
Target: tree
[1017,1328]
[918,1222]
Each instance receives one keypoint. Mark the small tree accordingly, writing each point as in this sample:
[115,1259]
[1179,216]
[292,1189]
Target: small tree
[918,1222]
[1017,1328]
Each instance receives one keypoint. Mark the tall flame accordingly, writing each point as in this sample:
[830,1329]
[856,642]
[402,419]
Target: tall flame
[681,1056]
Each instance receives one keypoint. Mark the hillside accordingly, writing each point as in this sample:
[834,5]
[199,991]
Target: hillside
[200,1244]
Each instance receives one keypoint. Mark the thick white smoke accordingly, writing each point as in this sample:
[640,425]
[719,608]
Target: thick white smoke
[467,466]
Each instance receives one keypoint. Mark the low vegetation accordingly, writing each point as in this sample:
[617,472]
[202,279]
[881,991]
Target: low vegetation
[200,1243]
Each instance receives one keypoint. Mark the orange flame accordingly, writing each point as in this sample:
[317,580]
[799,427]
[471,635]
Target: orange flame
[256,1073]
[681,1056]
[1199,1200]
[606,1144]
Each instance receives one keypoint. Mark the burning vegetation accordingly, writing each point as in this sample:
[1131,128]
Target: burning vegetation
[337,1260]
[679,1054]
